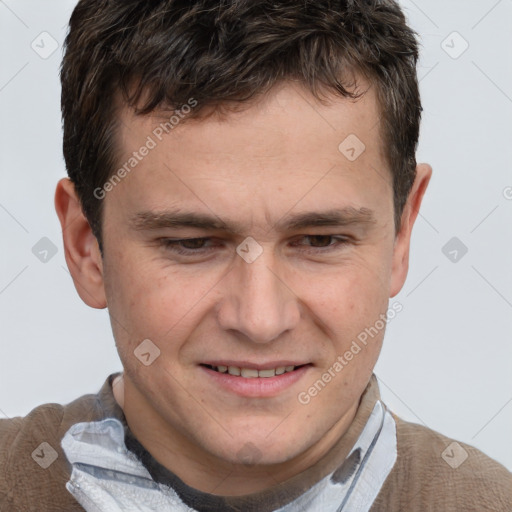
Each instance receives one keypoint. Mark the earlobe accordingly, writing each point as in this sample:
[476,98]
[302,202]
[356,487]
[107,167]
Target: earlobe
[81,248]
[403,238]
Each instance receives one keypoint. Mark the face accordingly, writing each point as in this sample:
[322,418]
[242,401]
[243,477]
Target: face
[252,244]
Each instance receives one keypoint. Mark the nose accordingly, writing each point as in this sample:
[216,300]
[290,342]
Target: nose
[258,302]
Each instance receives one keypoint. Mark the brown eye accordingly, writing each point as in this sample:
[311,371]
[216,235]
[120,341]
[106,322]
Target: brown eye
[321,243]
[188,246]
[193,243]
[320,240]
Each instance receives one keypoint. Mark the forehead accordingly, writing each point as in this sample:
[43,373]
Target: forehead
[287,113]
[284,143]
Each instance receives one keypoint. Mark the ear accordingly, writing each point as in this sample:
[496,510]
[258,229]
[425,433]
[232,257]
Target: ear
[403,237]
[81,248]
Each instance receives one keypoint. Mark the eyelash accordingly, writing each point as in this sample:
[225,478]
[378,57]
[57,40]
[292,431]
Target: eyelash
[173,245]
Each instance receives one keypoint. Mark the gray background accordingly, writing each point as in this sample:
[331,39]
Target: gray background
[447,358]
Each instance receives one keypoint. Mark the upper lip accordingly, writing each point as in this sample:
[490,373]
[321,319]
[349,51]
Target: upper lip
[252,365]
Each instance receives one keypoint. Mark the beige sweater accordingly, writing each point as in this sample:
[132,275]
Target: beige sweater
[431,472]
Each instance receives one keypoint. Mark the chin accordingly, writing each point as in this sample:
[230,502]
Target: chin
[255,454]
[261,449]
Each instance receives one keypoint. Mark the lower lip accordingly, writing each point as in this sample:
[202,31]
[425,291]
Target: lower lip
[257,386]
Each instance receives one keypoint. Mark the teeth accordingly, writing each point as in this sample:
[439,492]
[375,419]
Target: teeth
[251,373]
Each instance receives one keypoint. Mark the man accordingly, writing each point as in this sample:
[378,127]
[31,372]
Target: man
[242,192]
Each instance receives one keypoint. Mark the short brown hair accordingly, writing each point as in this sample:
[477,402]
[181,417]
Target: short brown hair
[225,52]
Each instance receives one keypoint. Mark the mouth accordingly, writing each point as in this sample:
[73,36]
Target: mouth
[253,373]
[255,381]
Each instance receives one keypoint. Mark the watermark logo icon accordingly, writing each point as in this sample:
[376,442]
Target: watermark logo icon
[352,147]
[44,45]
[147,352]
[249,250]
[454,45]
[45,455]
[454,455]
[249,454]
[44,250]
[454,250]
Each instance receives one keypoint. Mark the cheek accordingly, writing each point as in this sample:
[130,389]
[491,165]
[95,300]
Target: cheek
[149,299]
[349,302]
[135,300]
[353,291]
[148,306]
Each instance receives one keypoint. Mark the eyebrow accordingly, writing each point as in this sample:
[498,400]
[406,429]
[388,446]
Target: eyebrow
[156,220]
